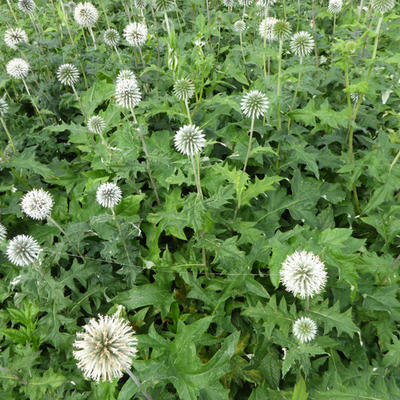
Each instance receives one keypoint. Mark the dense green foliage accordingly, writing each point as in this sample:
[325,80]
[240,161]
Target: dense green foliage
[201,286]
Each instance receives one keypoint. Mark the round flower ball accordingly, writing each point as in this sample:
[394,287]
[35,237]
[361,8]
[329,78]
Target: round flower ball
[239,26]
[189,140]
[17,68]
[266,29]
[108,195]
[254,103]
[96,124]
[105,348]
[183,89]
[302,44]
[304,329]
[111,37]
[126,74]
[27,6]
[303,274]
[15,36]
[86,14]
[37,204]
[335,6]
[382,6]
[135,34]
[68,74]
[127,93]
[3,232]
[23,250]
[282,29]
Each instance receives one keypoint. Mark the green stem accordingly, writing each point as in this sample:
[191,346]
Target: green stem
[33,101]
[294,97]
[334,23]
[138,384]
[12,12]
[196,177]
[93,38]
[105,13]
[241,48]
[8,134]
[188,112]
[278,91]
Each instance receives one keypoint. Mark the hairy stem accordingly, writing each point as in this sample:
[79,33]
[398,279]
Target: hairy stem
[138,384]
[8,135]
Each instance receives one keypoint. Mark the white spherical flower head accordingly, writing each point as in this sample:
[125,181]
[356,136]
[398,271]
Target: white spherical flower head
[15,36]
[105,348]
[126,74]
[304,329]
[127,93]
[108,195]
[27,6]
[23,250]
[335,6]
[382,6]
[68,74]
[229,3]
[245,2]
[3,107]
[266,28]
[183,89]
[37,204]
[254,103]
[3,232]
[189,140]
[96,124]
[86,14]
[303,274]
[239,26]
[111,37]
[266,3]
[140,4]
[135,34]
[17,68]
[164,5]
[282,29]
[302,44]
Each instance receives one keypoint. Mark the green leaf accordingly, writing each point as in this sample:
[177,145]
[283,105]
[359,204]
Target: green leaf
[300,390]
[259,186]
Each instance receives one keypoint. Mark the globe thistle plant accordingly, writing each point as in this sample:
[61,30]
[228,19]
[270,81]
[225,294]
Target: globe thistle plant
[3,232]
[3,107]
[302,44]
[15,36]
[96,124]
[23,250]
[125,74]
[304,329]
[127,93]
[229,4]
[382,6]
[190,140]
[108,195]
[183,89]
[254,104]
[105,348]
[111,37]
[37,204]
[303,274]
[282,29]
[86,16]
[335,6]
[136,34]
[239,26]
[27,6]
[266,29]
[3,112]
[68,74]
[18,68]
[164,5]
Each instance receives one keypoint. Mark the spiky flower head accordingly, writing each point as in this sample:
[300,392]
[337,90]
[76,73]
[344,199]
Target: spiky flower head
[135,34]
[140,4]
[282,29]
[239,26]
[229,3]
[111,37]
[245,2]
[69,7]
[15,36]
[68,74]
[164,5]
[3,232]
[96,124]
[303,274]
[302,44]
[37,204]
[335,6]
[304,329]
[265,3]
[127,93]
[254,103]
[27,6]
[17,68]
[23,250]
[3,107]
[125,74]
[382,6]
[266,28]
[183,89]
[105,348]
[86,14]
[355,97]
[189,140]
[108,195]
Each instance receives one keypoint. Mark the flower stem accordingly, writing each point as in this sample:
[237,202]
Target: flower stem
[8,134]
[93,38]
[33,101]
[188,112]
[278,90]
[196,177]
[121,236]
[241,48]
[147,158]
[138,384]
